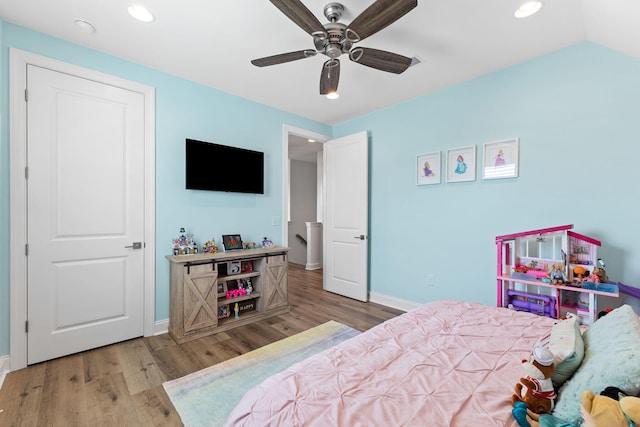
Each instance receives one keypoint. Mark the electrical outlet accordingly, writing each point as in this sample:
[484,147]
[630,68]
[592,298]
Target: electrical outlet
[431,280]
[275,220]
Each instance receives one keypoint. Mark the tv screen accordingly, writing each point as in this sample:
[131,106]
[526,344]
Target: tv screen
[217,167]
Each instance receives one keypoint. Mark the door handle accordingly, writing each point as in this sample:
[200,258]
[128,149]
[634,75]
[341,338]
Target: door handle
[361,237]
[136,245]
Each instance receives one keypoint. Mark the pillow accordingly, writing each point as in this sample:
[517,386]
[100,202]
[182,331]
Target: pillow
[611,349]
[566,344]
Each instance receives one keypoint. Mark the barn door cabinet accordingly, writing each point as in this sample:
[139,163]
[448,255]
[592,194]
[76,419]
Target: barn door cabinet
[205,288]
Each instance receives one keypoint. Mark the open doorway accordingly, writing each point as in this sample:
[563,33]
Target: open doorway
[303,196]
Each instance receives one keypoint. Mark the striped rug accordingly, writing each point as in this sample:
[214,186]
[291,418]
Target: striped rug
[206,397]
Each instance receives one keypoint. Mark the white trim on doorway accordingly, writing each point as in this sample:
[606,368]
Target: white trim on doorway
[286,131]
[18,61]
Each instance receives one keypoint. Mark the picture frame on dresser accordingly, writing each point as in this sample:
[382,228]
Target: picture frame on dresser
[232,242]
[428,168]
[500,159]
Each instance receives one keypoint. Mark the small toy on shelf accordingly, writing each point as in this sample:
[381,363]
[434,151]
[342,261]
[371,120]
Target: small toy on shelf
[266,243]
[519,268]
[598,276]
[557,274]
[246,266]
[210,247]
[249,245]
[236,310]
[602,275]
[184,244]
[223,311]
[579,274]
[234,293]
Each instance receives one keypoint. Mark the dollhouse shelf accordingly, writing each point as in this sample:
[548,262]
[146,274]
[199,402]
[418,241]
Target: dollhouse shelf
[535,252]
[561,287]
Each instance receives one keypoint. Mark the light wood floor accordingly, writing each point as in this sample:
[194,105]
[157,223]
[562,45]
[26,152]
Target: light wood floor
[121,384]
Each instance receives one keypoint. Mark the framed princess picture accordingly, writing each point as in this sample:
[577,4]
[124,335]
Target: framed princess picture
[500,159]
[428,168]
[461,164]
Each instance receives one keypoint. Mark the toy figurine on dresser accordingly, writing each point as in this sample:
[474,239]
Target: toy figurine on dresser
[184,244]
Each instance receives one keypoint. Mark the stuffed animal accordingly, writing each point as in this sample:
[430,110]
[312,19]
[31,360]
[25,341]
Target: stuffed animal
[536,389]
[557,274]
[597,411]
[602,411]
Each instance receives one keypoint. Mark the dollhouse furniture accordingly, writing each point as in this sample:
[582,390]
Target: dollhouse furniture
[523,260]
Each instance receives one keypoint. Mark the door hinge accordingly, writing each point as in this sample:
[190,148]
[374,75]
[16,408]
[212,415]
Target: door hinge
[26,95]
[26,172]
[26,326]
[26,249]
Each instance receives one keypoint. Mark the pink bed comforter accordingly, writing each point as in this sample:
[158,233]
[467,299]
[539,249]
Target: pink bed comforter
[447,363]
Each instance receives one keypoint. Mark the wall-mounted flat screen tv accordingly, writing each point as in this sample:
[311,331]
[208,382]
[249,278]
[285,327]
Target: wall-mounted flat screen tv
[216,167]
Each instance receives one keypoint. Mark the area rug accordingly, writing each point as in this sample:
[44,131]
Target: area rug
[207,397]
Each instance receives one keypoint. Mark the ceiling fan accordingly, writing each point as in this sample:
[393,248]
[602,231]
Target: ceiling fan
[335,38]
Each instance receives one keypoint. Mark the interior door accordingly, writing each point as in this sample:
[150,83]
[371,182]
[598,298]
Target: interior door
[346,162]
[85,209]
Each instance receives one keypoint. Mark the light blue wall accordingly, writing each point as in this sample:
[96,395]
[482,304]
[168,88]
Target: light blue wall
[577,114]
[183,110]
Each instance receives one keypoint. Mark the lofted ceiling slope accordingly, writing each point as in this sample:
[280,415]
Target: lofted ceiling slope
[212,43]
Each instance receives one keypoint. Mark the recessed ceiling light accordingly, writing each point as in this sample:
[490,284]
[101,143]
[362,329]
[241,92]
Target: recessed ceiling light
[528,8]
[311,140]
[333,95]
[85,26]
[141,13]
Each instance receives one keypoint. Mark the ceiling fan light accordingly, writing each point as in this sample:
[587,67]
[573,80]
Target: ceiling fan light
[333,95]
[528,8]
[141,13]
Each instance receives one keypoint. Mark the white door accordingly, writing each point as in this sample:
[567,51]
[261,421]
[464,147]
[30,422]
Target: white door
[346,162]
[85,204]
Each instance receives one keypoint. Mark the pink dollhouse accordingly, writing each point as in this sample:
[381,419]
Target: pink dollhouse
[524,261]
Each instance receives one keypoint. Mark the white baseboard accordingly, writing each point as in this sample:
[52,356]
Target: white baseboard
[393,302]
[5,366]
[314,266]
[161,327]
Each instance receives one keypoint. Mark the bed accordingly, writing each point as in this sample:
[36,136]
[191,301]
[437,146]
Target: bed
[447,363]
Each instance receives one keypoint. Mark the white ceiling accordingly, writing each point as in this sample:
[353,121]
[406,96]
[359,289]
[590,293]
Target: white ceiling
[212,43]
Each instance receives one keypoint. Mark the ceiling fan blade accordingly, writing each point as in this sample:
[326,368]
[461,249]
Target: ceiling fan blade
[330,76]
[301,16]
[283,57]
[379,15]
[380,59]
